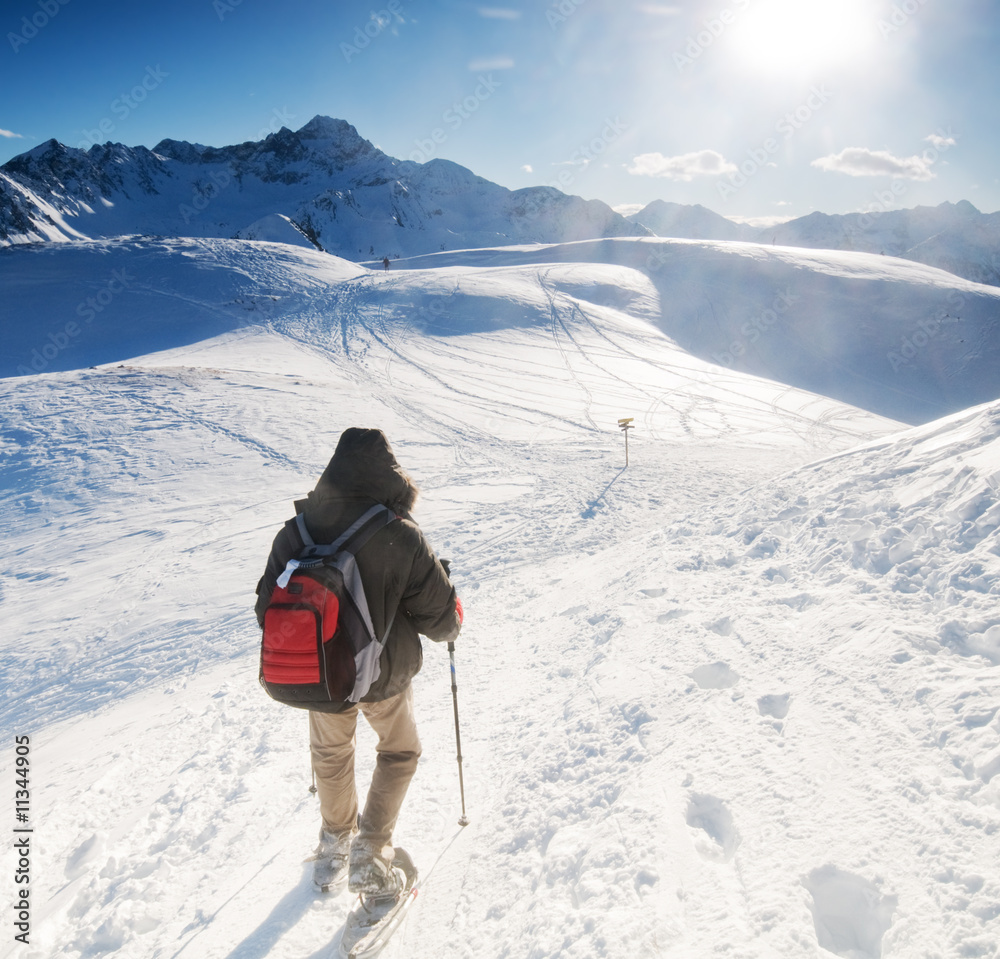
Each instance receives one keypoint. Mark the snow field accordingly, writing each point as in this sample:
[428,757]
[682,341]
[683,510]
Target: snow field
[721,702]
[901,339]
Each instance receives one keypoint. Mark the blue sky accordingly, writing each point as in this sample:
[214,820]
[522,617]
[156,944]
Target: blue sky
[754,108]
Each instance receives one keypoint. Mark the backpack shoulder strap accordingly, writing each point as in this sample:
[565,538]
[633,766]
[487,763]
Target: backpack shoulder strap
[363,529]
[350,541]
[300,525]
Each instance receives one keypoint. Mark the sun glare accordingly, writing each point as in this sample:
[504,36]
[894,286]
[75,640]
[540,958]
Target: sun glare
[794,36]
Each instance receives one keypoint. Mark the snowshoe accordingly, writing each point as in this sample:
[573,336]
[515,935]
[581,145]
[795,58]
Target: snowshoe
[377,915]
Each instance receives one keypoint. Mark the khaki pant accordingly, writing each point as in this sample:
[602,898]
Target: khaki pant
[332,742]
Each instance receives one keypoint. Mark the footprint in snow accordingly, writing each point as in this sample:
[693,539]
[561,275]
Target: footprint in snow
[775,705]
[671,614]
[989,768]
[720,838]
[715,676]
[85,855]
[723,626]
[850,914]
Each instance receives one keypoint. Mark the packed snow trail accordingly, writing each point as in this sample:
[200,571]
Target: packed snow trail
[708,703]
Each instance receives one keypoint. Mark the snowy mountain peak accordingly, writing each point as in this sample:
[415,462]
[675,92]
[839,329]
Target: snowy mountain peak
[690,222]
[179,150]
[965,208]
[338,139]
[48,155]
[339,189]
[328,128]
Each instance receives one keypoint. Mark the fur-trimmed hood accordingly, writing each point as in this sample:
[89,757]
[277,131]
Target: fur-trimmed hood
[363,467]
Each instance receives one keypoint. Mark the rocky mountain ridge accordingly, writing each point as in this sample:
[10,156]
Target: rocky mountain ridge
[341,193]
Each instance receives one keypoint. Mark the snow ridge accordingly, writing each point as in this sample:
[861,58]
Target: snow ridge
[952,236]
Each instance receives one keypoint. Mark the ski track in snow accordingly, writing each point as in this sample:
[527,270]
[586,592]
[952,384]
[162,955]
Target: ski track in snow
[719,703]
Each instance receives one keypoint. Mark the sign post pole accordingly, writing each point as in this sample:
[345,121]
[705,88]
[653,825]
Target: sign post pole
[625,425]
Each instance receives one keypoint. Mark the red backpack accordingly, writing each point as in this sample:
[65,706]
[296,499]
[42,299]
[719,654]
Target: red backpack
[319,648]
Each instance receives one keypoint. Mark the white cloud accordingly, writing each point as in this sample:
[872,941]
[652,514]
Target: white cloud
[940,142]
[11,135]
[860,161]
[527,168]
[685,167]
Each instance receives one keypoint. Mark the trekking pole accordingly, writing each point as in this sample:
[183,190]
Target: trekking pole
[464,821]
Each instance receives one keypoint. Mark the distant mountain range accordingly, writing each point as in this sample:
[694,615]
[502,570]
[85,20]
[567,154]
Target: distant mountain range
[953,236]
[326,186]
[322,185]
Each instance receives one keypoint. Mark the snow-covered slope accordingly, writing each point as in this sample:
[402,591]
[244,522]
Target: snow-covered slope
[275,228]
[894,337]
[720,702]
[952,236]
[898,338]
[334,186]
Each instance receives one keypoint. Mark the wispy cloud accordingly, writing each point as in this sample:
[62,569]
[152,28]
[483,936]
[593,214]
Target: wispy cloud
[860,161]
[499,13]
[940,142]
[527,168]
[11,135]
[685,167]
[491,63]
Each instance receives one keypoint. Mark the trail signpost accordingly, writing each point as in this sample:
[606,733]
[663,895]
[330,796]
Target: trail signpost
[625,425]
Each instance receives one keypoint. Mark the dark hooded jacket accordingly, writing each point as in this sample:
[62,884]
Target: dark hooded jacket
[399,571]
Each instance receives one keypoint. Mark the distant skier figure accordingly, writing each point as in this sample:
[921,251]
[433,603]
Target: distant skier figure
[385,263]
[408,592]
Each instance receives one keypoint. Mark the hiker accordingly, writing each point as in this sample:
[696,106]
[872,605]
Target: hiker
[408,592]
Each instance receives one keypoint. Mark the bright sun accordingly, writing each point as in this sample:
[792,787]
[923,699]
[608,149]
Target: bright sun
[793,36]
